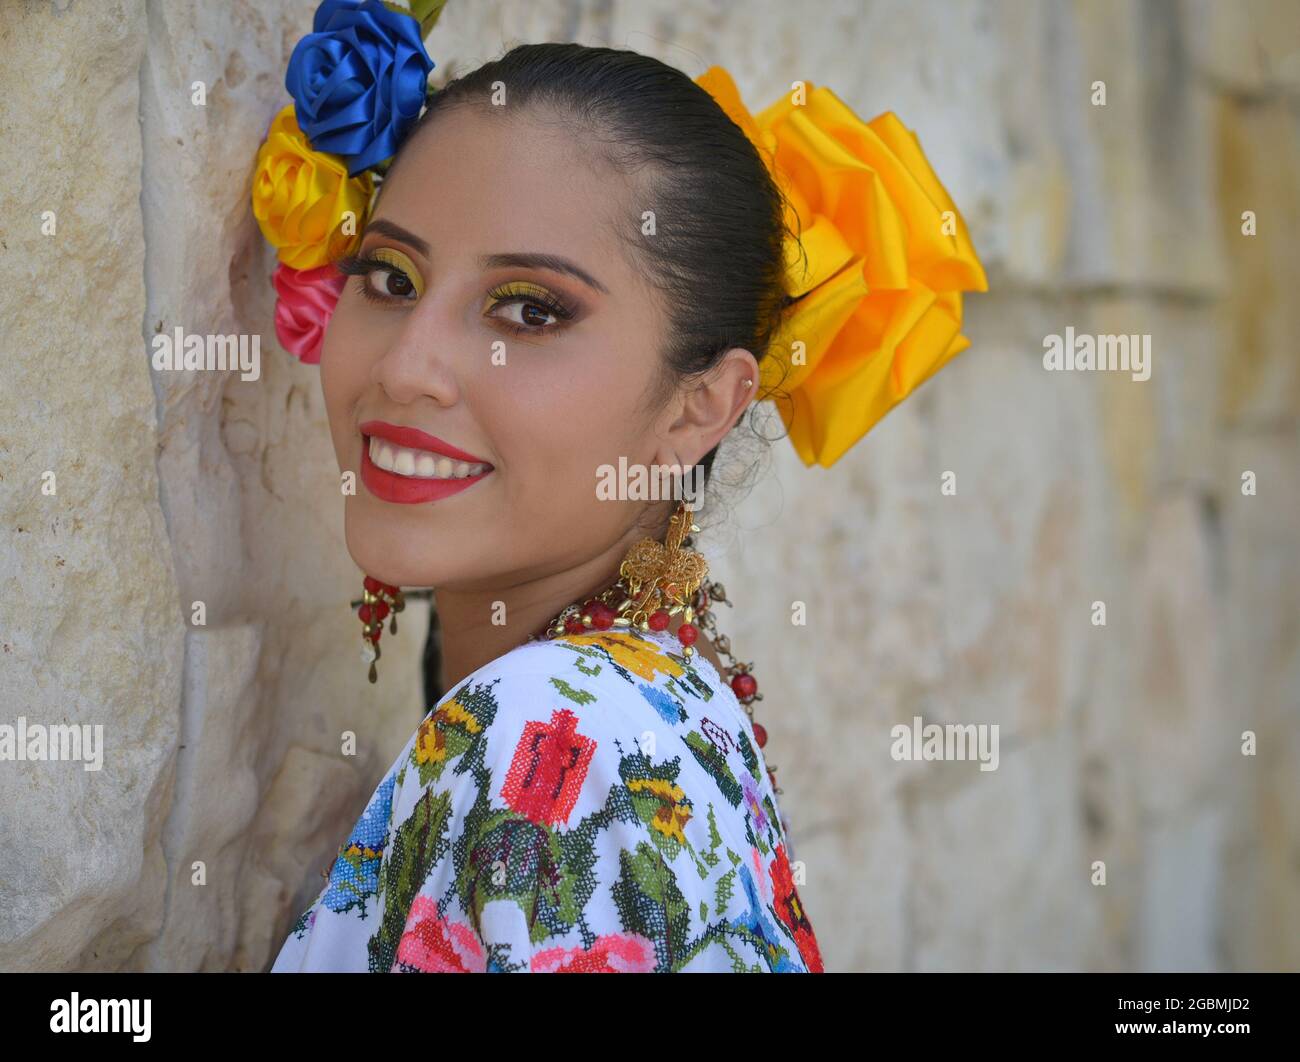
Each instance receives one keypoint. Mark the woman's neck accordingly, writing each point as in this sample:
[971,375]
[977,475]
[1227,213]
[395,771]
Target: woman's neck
[470,637]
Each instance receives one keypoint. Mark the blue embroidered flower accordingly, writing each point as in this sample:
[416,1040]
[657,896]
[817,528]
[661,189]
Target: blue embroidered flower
[355,875]
[663,704]
[755,921]
[358,80]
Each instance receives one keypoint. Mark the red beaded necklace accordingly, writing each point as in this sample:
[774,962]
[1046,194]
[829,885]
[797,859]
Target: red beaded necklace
[658,581]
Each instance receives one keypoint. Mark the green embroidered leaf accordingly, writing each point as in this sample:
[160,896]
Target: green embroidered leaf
[418,844]
[748,754]
[710,855]
[715,763]
[690,682]
[773,818]
[577,696]
[300,926]
[725,889]
[649,902]
[509,857]
[455,729]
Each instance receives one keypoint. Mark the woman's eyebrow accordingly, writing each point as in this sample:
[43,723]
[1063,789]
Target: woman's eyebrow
[387,228]
[533,260]
[518,259]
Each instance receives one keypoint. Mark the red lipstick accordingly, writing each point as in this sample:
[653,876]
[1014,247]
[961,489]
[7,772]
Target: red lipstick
[412,490]
[417,440]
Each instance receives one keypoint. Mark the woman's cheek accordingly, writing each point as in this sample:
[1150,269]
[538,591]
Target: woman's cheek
[337,384]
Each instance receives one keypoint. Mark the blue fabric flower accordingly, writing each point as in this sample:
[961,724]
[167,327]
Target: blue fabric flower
[358,80]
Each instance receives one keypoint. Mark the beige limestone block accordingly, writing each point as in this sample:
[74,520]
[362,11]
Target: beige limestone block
[90,628]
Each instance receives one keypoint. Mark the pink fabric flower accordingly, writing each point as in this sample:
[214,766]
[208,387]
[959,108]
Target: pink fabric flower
[305,304]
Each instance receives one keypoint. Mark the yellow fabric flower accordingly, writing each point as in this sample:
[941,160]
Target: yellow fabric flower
[887,257]
[300,196]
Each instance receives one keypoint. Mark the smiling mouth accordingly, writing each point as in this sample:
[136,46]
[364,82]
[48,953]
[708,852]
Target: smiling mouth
[408,466]
[420,464]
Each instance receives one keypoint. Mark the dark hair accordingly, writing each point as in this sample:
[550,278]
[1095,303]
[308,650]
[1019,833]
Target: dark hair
[719,218]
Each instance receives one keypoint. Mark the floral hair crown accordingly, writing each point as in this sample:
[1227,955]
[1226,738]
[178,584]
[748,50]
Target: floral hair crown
[876,258]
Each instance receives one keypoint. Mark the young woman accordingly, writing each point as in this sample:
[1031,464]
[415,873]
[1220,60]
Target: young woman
[577,257]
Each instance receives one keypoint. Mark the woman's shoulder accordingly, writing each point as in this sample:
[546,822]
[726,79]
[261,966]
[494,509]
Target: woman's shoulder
[621,674]
[594,802]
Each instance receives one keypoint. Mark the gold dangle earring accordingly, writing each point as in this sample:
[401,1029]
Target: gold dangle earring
[659,580]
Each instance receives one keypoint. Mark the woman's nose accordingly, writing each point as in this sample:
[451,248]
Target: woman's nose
[415,364]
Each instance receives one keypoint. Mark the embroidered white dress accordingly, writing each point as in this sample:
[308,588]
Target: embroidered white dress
[592,803]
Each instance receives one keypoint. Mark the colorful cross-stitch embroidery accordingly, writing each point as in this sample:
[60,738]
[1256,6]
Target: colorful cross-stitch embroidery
[596,803]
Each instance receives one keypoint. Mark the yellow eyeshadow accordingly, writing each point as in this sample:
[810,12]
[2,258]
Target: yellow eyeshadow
[393,257]
[516,287]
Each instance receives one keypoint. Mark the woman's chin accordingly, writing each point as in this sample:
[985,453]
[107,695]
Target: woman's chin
[384,553]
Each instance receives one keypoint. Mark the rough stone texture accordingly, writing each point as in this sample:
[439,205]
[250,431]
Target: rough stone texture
[222,741]
[1120,744]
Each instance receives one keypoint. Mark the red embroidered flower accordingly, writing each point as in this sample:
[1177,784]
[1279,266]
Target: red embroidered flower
[548,768]
[435,945]
[613,953]
[789,908]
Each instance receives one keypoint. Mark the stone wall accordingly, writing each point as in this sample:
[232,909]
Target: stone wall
[223,789]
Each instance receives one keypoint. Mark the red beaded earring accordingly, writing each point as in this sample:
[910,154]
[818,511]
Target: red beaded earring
[378,601]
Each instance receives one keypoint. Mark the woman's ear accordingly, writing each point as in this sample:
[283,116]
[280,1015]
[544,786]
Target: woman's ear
[707,408]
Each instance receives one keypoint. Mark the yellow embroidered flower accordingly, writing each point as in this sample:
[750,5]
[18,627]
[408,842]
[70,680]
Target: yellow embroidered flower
[301,197]
[430,743]
[672,814]
[431,739]
[457,714]
[638,655]
[887,257]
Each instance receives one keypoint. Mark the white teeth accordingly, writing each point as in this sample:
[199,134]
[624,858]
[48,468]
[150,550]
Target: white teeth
[419,464]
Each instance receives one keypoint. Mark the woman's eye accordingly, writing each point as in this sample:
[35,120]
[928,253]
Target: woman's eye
[528,308]
[391,283]
[527,314]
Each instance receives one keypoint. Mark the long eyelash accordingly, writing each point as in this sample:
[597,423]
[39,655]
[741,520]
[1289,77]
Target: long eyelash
[355,265]
[546,300]
[363,265]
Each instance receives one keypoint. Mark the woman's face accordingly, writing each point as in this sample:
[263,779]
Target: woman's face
[459,354]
